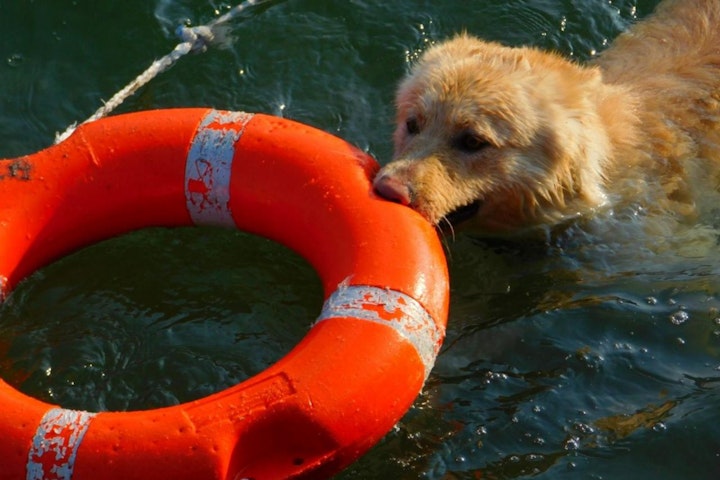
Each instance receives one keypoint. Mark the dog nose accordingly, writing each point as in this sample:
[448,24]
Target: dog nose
[390,188]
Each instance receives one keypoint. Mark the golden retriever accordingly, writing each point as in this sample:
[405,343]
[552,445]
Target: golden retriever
[508,139]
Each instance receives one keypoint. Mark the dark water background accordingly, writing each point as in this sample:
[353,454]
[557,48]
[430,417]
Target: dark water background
[594,357]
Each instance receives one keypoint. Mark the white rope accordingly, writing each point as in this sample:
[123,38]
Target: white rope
[194,39]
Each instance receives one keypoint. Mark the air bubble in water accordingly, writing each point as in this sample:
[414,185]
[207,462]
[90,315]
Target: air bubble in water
[679,317]
[14,60]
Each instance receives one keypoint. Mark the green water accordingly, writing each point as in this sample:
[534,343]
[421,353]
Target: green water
[596,356]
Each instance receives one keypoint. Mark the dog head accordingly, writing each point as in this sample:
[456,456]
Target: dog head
[505,138]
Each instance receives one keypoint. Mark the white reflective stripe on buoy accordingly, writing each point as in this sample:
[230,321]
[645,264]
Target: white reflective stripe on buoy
[208,167]
[388,307]
[55,444]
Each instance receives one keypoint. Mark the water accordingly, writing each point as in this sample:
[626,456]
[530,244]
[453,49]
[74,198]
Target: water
[596,356]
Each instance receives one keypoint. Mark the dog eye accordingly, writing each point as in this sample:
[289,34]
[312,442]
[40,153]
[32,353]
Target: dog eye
[412,126]
[470,142]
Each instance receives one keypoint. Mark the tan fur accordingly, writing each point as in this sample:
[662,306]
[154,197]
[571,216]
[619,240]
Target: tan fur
[564,139]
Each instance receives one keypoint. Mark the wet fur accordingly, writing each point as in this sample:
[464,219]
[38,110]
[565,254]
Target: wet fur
[551,139]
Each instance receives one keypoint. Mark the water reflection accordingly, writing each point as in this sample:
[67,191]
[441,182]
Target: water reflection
[575,350]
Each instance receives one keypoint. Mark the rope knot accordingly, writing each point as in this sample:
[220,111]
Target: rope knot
[199,38]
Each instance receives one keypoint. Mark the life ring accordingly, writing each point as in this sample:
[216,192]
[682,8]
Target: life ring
[320,407]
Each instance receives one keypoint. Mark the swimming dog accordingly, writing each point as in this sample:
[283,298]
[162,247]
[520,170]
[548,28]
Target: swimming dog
[507,139]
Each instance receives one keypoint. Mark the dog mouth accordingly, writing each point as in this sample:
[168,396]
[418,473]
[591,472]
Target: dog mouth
[461,214]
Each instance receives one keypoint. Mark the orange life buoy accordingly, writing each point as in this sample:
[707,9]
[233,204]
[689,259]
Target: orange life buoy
[317,409]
